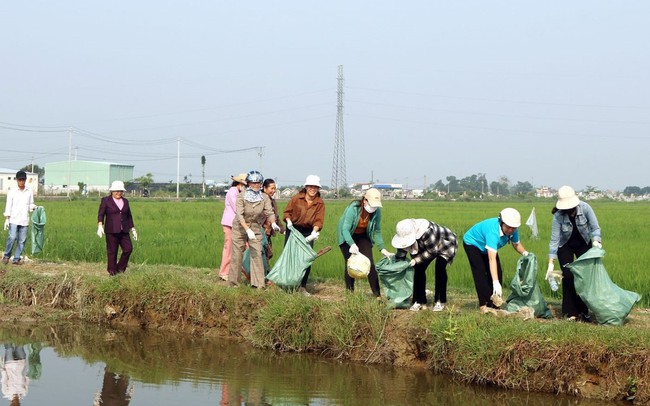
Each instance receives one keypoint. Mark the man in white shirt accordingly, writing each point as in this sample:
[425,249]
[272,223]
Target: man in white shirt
[20,202]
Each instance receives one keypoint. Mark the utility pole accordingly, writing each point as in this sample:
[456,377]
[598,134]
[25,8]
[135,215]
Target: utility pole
[69,158]
[338,163]
[178,166]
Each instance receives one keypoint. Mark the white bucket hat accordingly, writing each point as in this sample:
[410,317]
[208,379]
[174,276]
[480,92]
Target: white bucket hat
[373,196]
[404,234]
[117,185]
[510,217]
[312,180]
[567,198]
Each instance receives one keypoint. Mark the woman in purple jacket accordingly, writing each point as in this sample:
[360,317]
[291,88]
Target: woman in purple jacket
[114,219]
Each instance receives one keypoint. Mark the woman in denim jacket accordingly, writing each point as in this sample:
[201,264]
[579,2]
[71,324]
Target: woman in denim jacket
[574,231]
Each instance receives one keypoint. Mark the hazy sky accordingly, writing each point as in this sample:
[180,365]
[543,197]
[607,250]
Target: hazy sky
[552,92]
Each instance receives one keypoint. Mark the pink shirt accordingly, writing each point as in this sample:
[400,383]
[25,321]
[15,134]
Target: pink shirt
[229,210]
[119,203]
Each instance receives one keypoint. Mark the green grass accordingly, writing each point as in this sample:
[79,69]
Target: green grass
[188,233]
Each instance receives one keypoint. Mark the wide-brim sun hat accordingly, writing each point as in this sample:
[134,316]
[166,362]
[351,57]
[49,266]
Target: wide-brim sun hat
[312,180]
[117,186]
[567,198]
[241,178]
[373,196]
[404,234]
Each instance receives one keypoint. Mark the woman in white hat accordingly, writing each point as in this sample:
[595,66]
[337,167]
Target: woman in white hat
[358,230]
[238,184]
[426,241]
[114,220]
[574,231]
[481,243]
[306,213]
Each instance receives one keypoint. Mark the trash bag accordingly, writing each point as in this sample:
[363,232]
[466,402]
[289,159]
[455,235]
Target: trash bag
[608,303]
[38,230]
[397,279]
[358,266]
[246,259]
[525,290]
[296,257]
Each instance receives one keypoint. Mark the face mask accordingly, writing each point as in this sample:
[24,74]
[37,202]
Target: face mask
[369,208]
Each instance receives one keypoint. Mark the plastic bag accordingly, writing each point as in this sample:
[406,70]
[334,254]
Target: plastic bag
[246,259]
[296,257]
[358,266]
[397,279]
[525,290]
[608,303]
[38,230]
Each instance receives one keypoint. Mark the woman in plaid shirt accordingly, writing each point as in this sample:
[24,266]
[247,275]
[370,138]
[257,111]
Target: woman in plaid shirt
[426,241]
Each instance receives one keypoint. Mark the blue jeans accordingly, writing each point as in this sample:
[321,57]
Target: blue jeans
[16,233]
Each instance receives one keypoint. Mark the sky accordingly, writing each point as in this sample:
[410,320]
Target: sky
[550,93]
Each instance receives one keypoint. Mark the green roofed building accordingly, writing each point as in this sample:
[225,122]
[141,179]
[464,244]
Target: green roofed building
[97,176]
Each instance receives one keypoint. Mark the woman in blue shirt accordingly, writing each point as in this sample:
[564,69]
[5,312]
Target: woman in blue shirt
[574,231]
[481,243]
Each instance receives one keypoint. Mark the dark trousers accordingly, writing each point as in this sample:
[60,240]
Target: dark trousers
[480,265]
[113,241]
[305,233]
[365,248]
[420,281]
[572,305]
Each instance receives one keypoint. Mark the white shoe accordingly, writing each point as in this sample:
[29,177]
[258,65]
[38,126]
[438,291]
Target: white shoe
[438,307]
[416,306]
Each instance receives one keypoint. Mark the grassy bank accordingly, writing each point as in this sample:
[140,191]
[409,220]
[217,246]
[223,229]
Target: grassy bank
[547,356]
[188,233]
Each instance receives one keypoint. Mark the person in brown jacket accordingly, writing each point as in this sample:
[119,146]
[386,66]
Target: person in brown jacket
[114,219]
[306,213]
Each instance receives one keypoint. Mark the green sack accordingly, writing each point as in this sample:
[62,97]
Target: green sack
[246,259]
[397,279]
[608,303]
[296,257]
[525,290]
[38,230]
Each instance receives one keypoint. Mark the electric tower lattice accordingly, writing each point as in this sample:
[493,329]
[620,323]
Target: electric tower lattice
[338,163]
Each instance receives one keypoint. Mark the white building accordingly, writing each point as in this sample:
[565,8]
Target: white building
[8,180]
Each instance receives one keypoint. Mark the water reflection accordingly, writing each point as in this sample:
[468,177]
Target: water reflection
[153,368]
[15,382]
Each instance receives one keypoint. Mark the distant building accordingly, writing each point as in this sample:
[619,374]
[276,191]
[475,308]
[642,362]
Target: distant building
[97,176]
[8,180]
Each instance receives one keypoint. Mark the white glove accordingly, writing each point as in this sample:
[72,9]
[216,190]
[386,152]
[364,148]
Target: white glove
[6,224]
[100,231]
[251,234]
[525,253]
[313,236]
[596,244]
[496,288]
[354,249]
[275,227]
[551,278]
[289,223]
[386,253]
[135,234]
[412,263]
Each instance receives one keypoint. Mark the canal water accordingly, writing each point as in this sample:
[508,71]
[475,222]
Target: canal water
[93,365]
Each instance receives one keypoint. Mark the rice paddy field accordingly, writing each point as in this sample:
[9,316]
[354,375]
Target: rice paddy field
[189,233]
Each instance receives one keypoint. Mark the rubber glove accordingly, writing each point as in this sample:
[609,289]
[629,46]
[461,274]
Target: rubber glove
[354,249]
[289,223]
[251,234]
[135,234]
[313,236]
[496,288]
[412,263]
[550,277]
[275,227]
[6,224]
[100,231]
[386,253]
[596,244]
[525,253]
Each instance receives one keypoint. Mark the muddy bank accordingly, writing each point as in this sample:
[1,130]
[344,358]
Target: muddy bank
[535,355]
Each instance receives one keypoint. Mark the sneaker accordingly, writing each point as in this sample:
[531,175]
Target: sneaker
[19,262]
[416,306]
[572,318]
[5,260]
[304,291]
[438,307]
